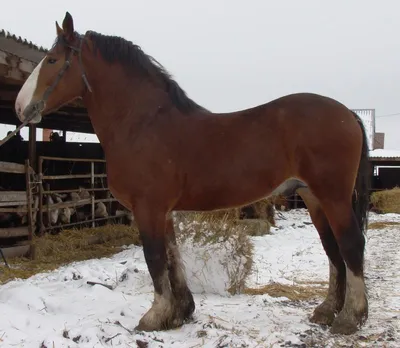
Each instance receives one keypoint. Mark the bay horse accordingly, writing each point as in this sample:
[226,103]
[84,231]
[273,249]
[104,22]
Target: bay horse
[166,153]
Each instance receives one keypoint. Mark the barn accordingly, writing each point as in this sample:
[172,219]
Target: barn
[385,163]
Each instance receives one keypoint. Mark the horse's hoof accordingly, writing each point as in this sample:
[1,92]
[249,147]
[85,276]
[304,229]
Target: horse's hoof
[158,325]
[344,325]
[142,326]
[323,315]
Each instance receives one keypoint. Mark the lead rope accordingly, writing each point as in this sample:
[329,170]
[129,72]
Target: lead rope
[23,124]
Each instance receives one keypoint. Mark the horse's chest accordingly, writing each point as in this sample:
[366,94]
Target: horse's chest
[124,180]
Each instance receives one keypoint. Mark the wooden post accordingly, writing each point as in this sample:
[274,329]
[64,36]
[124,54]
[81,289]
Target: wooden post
[92,192]
[40,215]
[32,146]
[47,188]
[29,204]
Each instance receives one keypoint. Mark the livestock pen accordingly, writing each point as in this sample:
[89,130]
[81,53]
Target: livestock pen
[70,194]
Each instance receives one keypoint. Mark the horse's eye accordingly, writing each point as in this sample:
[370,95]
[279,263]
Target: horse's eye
[51,60]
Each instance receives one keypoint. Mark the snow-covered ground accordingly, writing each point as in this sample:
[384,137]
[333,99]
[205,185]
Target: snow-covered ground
[59,309]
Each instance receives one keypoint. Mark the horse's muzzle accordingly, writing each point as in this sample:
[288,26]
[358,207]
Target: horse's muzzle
[33,112]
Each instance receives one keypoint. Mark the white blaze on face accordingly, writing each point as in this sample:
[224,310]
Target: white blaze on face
[27,91]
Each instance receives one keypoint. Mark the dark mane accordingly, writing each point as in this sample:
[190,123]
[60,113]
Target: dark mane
[117,49]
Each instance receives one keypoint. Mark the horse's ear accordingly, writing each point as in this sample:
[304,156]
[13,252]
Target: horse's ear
[68,27]
[59,30]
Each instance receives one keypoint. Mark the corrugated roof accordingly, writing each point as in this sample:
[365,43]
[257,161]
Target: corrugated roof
[368,118]
[385,154]
[21,47]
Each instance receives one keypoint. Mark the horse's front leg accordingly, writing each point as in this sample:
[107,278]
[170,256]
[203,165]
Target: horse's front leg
[152,227]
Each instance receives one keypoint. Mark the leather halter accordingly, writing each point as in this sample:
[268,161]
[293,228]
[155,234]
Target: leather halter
[40,105]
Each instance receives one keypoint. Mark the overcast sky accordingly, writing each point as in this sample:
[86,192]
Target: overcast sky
[230,55]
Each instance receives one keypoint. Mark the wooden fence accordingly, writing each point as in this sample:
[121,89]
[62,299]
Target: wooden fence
[45,190]
[21,203]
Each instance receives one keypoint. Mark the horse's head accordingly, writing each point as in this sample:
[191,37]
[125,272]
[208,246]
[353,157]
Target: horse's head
[58,79]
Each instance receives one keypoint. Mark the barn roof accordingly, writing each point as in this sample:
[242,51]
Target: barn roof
[18,58]
[384,155]
[21,47]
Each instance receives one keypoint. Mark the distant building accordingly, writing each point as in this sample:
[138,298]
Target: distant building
[376,140]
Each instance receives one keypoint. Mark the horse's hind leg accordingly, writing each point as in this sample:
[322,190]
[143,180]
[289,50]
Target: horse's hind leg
[351,242]
[184,303]
[325,313]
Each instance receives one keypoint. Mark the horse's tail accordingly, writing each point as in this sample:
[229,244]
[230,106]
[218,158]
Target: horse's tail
[362,186]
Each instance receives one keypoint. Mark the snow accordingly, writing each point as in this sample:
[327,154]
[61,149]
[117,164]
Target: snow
[59,309]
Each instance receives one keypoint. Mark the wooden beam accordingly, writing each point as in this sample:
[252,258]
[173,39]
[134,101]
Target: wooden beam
[18,251]
[70,176]
[32,146]
[10,167]
[7,101]
[14,232]
[12,204]
[53,121]
[13,196]
[18,67]
[64,159]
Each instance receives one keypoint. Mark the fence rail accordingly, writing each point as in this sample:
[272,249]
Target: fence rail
[76,176]
[92,201]
[68,159]
[15,168]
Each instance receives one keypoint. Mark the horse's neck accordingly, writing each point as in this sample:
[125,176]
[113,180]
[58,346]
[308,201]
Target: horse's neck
[116,97]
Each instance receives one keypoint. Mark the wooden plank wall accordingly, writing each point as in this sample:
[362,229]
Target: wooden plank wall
[16,240]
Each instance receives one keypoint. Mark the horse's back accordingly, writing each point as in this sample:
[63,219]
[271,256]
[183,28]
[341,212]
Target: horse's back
[252,151]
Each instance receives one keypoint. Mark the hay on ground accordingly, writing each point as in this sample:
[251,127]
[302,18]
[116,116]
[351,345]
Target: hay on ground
[292,292]
[379,225]
[255,227]
[213,242]
[53,251]
[386,201]
[262,209]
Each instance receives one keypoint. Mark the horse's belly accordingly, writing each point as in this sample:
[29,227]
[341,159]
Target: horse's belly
[221,197]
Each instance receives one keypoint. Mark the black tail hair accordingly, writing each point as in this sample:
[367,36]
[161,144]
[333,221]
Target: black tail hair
[362,187]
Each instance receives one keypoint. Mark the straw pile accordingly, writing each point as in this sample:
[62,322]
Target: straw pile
[217,251]
[386,201]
